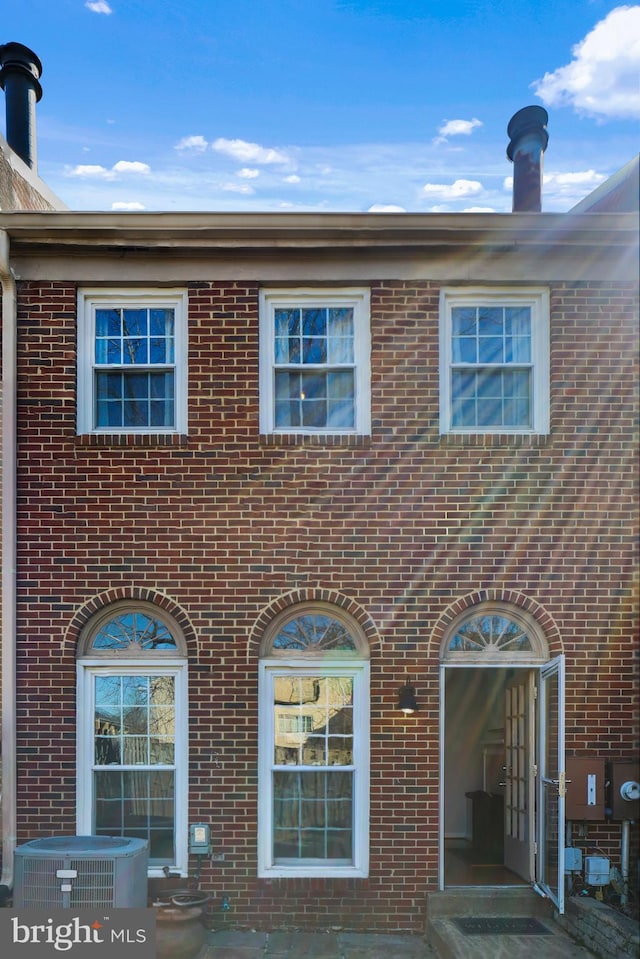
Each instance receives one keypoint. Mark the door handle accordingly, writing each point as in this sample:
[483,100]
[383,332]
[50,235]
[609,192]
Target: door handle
[561,783]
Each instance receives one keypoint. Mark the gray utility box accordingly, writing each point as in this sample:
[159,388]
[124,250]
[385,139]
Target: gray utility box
[81,872]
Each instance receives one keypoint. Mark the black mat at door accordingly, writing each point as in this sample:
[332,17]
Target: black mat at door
[500,926]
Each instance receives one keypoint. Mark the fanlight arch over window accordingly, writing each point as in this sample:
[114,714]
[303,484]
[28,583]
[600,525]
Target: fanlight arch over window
[314,631]
[495,634]
[132,630]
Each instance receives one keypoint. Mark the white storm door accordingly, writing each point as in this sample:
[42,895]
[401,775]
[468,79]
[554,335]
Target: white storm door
[519,792]
[552,782]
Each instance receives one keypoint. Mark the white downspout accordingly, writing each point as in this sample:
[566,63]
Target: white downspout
[8,421]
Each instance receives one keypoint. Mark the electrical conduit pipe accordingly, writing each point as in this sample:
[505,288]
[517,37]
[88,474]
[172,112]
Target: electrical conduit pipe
[8,495]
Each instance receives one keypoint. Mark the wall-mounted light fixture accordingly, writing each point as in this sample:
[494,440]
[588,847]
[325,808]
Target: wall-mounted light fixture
[407,699]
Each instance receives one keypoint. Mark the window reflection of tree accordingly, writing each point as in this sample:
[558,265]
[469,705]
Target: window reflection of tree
[137,730]
[314,727]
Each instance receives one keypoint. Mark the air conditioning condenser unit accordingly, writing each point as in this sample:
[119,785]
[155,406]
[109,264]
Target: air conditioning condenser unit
[81,872]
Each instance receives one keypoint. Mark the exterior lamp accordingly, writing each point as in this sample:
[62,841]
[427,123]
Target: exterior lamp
[407,699]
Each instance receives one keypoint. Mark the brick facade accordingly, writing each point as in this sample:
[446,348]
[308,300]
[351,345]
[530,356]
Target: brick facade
[403,529]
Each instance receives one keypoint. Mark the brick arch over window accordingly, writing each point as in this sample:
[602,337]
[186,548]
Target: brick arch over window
[102,601]
[299,597]
[503,600]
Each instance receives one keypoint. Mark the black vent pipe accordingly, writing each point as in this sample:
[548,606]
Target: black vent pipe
[20,72]
[528,132]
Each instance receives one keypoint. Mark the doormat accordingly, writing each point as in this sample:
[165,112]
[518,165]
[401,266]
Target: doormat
[499,926]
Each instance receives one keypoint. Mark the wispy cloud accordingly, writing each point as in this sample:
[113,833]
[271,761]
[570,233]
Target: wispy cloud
[455,128]
[243,188]
[194,144]
[452,191]
[128,207]
[246,152]
[98,6]
[248,173]
[602,78]
[386,208]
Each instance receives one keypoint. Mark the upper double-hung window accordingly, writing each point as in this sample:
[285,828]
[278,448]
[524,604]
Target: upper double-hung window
[132,375]
[494,360]
[314,361]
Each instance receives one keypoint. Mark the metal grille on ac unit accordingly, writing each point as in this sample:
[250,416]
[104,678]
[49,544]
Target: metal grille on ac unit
[81,872]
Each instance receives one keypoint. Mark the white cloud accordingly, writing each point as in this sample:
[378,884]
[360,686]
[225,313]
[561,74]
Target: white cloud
[95,171]
[98,6]
[478,209]
[249,152]
[130,207]
[602,78]
[91,170]
[453,128]
[131,166]
[247,173]
[194,144]
[293,178]
[386,208]
[452,191]
[243,188]
[588,179]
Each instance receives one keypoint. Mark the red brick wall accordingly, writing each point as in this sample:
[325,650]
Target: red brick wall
[402,526]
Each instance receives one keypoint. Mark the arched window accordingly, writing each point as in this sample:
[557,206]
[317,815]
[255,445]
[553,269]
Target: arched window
[314,745]
[495,633]
[132,730]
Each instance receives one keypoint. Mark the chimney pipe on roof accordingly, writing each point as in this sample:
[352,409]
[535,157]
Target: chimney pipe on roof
[528,132]
[20,72]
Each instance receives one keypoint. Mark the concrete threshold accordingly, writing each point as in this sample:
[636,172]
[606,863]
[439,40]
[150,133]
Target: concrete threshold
[448,941]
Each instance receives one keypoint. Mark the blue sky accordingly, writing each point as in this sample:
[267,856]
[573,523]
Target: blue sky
[325,105]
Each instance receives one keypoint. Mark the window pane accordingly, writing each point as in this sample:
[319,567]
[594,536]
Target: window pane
[314,322]
[313,815]
[490,349]
[140,804]
[135,399]
[135,322]
[314,350]
[490,321]
[464,321]
[319,337]
[341,335]
[135,629]
[499,397]
[313,631]
[464,349]
[134,720]
[490,632]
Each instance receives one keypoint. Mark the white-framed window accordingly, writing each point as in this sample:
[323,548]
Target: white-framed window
[132,759]
[132,361]
[494,360]
[313,810]
[315,356]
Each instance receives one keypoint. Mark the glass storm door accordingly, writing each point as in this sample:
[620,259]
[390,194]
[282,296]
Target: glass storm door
[518,779]
[551,782]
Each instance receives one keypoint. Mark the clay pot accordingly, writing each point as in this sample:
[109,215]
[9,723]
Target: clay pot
[179,932]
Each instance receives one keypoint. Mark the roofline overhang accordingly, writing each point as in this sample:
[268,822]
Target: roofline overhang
[193,233]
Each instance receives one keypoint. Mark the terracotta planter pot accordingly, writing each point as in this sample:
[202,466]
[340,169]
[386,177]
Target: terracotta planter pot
[179,932]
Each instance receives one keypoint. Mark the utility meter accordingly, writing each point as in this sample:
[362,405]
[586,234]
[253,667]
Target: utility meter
[199,839]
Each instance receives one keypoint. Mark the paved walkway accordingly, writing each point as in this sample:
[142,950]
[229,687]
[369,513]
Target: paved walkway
[313,945]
